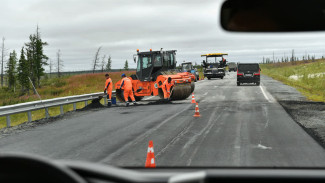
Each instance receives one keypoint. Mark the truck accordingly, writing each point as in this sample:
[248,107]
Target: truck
[214,69]
[188,67]
[232,66]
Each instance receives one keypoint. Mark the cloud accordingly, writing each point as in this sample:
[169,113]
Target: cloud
[78,28]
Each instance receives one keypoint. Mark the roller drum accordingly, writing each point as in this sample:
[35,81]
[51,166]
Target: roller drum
[181,91]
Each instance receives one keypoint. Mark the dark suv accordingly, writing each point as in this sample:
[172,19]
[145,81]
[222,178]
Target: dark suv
[248,73]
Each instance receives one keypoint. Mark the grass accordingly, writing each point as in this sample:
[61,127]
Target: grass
[20,118]
[53,88]
[61,87]
[301,75]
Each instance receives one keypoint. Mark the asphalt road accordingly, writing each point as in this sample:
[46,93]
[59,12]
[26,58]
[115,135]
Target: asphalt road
[239,126]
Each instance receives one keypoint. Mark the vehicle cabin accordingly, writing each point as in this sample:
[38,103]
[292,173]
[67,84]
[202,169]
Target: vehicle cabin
[188,67]
[216,68]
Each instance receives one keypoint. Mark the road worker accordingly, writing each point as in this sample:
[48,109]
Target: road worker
[167,88]
[126,85]
[108,89]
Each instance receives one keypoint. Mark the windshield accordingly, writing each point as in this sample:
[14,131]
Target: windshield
[157,61]
[186,67]
[70,88]
[146,61]
[248,67]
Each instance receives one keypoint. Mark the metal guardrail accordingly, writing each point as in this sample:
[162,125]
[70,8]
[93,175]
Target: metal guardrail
[45,104]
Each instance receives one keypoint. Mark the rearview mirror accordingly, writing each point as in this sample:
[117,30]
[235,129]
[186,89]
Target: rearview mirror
[273,15]
[135,58]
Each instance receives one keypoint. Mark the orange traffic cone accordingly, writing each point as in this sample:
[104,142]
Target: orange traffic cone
[197,112]
[150,161]
[193,99]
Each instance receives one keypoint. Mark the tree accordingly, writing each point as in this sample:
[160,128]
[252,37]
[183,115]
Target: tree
[23,72]
[59,64]
[273,57]
[40,58]
[11,70]
[36,57]
[51,67]
[2,58]
[126,65]
[109,63]
[102,65]
[95,63]
[293,56]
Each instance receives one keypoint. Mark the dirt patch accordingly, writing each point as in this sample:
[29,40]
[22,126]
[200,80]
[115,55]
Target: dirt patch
[160,101]
[309,115]
[93,105]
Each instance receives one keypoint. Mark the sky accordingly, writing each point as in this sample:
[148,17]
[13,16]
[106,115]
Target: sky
[120,27]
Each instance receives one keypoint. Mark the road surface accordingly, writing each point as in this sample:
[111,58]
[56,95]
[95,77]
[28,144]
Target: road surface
[239,126]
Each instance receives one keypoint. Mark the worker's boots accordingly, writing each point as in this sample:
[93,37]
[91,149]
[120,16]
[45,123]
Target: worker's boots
[109,104]
[127,104]
[135,103]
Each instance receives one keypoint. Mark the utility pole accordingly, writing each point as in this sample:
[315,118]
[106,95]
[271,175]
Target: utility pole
[2,59]
[273,57]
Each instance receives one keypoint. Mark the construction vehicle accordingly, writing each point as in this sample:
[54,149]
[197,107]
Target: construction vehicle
[153,68]
[214,69]
[232,66]
[188,67]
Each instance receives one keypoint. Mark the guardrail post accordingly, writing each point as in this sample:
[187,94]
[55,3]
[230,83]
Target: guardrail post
[61,109]
[86,103]
[29,114]
[105,100]
[47,115]
[8,120]
[74,106]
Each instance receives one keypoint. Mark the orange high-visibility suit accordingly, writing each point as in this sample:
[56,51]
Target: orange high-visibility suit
[166,88]
[127,87]
[109,88]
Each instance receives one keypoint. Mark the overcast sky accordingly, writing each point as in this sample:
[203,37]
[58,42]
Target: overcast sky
[79,27]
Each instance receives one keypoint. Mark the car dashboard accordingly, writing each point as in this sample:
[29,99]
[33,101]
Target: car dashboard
[27,168]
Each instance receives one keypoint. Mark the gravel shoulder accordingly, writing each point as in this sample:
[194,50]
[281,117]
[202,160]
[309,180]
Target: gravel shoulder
[308,114]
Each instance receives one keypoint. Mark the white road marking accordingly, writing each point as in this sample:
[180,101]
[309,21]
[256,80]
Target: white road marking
[149,98]
[267,98]
[260,146]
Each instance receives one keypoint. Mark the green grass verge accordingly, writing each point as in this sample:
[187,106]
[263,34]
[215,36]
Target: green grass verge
[301,75]
[20,118]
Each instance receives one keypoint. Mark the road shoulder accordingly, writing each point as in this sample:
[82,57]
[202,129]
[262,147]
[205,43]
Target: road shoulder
[308,114]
